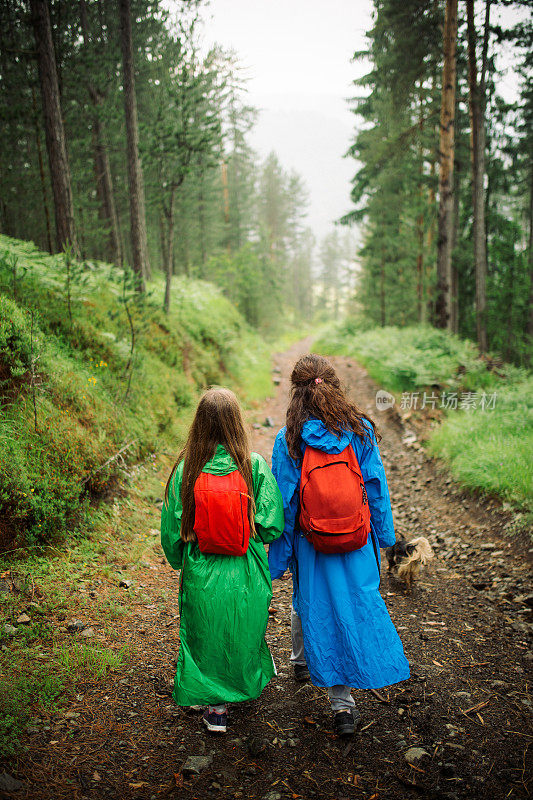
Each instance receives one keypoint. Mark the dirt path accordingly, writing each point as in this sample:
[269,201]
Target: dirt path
[466,633]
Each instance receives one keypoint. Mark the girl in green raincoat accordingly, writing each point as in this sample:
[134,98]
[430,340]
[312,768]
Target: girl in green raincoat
[224,598]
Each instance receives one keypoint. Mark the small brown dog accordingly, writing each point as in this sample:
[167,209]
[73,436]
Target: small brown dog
[405,558]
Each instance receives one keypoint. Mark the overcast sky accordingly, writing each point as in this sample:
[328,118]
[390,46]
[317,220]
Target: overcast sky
[297,57]
[292,46]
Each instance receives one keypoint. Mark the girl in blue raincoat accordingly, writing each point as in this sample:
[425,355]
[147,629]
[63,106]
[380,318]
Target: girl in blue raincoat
[342,634]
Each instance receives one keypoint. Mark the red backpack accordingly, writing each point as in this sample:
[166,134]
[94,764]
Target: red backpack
[334,511]
[221,521]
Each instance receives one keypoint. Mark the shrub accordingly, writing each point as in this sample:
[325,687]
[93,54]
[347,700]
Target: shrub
[406,359]
[15,342]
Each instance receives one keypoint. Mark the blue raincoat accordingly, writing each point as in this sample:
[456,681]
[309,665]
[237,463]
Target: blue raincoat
[349,638]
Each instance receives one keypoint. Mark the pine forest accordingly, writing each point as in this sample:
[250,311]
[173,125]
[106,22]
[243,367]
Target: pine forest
[266,416]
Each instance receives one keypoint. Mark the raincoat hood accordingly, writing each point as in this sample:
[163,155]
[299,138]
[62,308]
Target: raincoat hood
[221,463]
[315,434]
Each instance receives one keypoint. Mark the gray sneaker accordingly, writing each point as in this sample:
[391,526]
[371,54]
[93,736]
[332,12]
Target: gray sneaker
[344,722]
[216,723]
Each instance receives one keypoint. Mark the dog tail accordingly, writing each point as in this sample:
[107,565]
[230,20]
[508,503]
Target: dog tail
[424,551]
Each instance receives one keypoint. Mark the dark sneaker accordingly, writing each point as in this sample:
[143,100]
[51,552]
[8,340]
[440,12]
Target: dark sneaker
[301,673]
[344,723]
[216,723]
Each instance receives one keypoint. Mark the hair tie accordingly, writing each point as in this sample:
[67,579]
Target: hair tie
[318,380]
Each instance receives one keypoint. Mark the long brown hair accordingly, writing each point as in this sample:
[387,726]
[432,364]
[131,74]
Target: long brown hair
[218,420]
[316,391]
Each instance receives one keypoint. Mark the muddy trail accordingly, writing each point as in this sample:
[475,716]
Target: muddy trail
[460,727]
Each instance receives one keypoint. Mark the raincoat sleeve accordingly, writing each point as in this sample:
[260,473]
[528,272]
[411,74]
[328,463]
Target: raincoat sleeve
[268,502]
[171,522]
[287,473]
[377,490]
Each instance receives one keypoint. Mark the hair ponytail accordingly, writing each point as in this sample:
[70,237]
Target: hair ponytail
[316,391]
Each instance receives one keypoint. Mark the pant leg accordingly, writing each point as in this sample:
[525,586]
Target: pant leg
[297,636]
[340,698]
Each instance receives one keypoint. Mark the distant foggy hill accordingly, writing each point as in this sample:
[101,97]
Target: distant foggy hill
[310,135]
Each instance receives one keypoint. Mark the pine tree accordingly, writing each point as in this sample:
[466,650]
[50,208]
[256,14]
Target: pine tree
[394,191]
[102,168]
[477,135]
[54,130]
[139,243]
[445,285]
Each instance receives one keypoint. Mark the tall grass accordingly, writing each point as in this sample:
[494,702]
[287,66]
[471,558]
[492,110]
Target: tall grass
[42,664]
[50,682]
[407,359]
[492,451]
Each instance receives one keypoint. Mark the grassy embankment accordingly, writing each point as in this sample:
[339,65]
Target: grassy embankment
[95,383]
[487,450]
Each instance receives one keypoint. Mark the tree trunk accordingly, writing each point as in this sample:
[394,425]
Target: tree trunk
[225,193]
[420,269]
[446,154]
[382,293]
[105,183]
[420,219]
[104,179]
[163,240]
[4,218]
[53,125]
[529,356]
[477,149]
[82,250]
[169,265]
[455,276]
[183,225]
[201,220]
[509,314]
[236,199]
[41,174]
[428,309]
[135,179]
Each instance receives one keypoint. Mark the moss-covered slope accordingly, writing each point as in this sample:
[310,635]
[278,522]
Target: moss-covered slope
[92,376]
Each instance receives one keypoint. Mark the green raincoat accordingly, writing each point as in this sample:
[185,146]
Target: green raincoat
[224,599]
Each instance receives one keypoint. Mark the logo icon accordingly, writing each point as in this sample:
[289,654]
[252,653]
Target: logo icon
[384,400]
